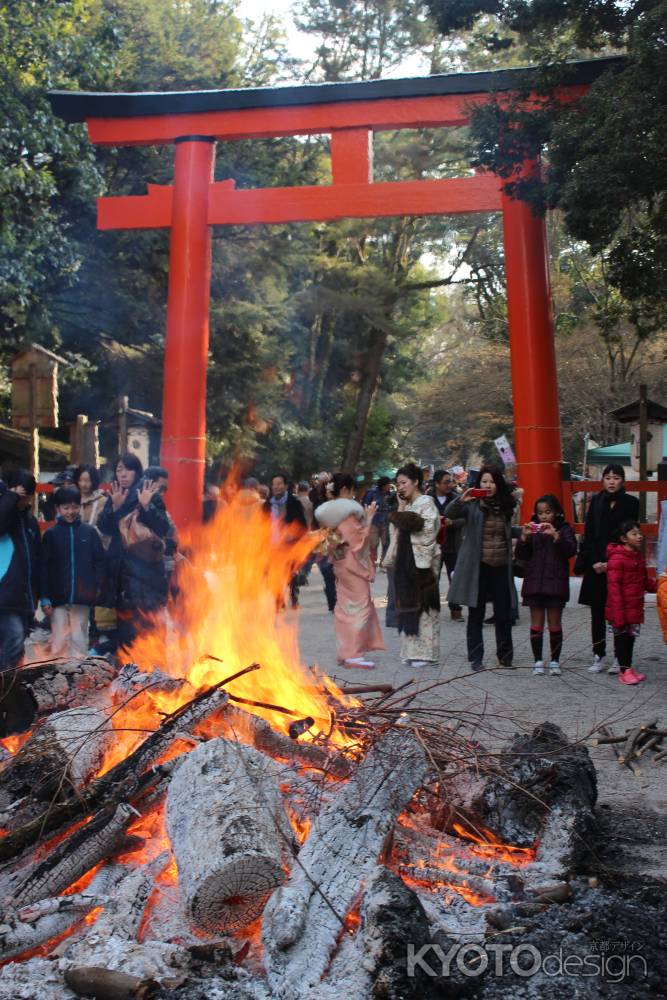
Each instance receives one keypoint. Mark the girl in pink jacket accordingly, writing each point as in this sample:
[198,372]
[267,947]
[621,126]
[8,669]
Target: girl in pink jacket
[627,582]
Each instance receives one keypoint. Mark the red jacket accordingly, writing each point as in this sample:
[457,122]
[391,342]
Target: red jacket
[627,582]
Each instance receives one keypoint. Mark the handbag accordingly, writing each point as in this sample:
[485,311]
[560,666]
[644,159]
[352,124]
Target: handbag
[389,558]
[138,540]
[519,568]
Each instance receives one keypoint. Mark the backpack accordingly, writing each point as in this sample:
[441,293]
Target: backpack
[138,540]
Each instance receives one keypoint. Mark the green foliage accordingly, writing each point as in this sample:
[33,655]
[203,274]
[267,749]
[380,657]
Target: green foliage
[606,163]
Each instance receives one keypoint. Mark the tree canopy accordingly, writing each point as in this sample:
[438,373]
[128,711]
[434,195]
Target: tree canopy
[347,344]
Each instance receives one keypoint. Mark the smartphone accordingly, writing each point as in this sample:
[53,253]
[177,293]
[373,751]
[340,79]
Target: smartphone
[478,493]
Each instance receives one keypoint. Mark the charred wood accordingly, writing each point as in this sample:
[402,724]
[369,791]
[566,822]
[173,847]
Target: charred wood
[258,732]
[120,783]
[36,924]
[68,683]
[74,856]
[62,754]
[109,984]
[544,791]
[302,921]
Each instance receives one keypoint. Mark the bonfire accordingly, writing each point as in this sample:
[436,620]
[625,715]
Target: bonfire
[212,799]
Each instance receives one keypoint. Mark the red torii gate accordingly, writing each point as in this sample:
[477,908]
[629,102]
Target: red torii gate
[349,113]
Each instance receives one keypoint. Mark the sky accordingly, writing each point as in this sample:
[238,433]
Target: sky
[301,44]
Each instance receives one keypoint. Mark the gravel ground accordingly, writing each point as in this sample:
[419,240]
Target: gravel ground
[577,701]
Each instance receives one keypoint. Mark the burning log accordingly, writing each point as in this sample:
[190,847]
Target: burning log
[440,878]
[112,942]
[281,747]
[120,781]
[62,754]
[131,679]
[229,833]
[33,925]
[545,792]
[50,686]
[109,984]
[302,920]
[371,959]
[74,856]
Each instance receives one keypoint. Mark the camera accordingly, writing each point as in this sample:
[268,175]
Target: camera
[537,527]
[478,493]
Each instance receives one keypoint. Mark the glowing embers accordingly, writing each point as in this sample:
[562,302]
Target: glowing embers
[485,844]
[467,863]
[12,744]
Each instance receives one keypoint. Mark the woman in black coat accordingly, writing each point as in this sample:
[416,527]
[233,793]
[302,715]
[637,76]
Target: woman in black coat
[608,510]
[138,577]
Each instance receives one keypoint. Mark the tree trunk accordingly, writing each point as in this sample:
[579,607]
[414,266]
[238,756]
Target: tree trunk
[371,377]
[229,833]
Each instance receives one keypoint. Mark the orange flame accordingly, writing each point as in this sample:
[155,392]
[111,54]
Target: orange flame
[231,591]
[12,744]
[461,889]
[488,845]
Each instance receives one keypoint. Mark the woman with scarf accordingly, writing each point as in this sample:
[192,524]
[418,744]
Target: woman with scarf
[93,499]
[136,521]
[355,618]
[484,563]
[415,556]
[608,510]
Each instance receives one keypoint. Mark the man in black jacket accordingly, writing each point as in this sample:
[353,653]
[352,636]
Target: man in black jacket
[19,555]
[283,506]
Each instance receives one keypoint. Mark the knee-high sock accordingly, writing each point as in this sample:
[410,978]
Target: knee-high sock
[536,640]
[556,642]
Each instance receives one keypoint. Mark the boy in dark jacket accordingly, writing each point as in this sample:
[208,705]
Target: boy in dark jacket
[72,572]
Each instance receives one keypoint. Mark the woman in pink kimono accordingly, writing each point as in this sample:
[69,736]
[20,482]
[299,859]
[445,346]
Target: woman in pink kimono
[355,618]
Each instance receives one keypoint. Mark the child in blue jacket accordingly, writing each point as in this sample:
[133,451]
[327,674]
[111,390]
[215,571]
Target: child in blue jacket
[72,573]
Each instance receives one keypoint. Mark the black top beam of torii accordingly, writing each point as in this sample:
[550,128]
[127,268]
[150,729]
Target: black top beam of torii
[77,106]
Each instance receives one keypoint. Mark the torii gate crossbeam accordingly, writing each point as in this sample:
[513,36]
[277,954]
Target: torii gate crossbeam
[349,113]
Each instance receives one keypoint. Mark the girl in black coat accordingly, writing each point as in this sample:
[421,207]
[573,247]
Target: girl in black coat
[546,545]
[608,510]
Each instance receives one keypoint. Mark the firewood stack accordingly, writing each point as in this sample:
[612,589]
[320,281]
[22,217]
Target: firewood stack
[637,746]
[259,824]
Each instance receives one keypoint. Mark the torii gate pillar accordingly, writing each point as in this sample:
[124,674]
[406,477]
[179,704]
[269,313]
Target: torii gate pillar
[186,349]
[532,349]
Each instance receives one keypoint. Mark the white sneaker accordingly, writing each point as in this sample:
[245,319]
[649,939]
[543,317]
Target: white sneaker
[554,668]
[359,661]
[538,669]
[598,665]
[421,663]
[614,668]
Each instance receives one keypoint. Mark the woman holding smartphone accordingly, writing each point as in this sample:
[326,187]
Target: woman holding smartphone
[484,563]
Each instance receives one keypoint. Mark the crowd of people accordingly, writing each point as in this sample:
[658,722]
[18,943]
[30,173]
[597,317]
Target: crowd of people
[109,558]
